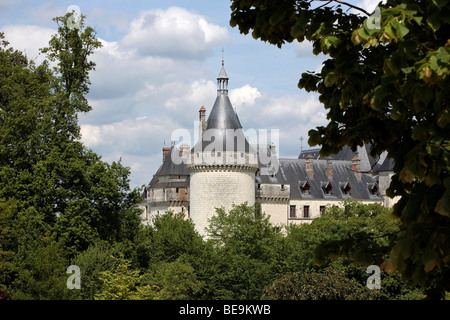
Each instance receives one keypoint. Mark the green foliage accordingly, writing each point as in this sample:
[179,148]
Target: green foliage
[92,262]
[11,230]
[363,233]
[124,284]
[176,281]
[328,285]
[65,197]
[385,83]
[171,236]
[247,245]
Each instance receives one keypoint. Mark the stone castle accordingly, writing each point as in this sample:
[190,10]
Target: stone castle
[223,169]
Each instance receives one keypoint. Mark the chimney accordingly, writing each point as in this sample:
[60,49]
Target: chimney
[356,166]
[329,171]
[184,150]
[165,151]
[309,166]
[202,119]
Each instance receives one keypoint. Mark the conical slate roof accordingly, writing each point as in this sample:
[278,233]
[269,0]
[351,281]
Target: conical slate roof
[223,125]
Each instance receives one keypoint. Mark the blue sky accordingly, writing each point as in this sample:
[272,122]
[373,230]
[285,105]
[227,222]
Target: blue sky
[158,66]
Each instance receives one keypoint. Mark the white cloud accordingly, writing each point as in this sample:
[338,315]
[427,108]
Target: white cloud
[175,32]
[196,93]
[28,39]
[368,5]
[244,95]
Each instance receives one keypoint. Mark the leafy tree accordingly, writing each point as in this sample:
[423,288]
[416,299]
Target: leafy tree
[124,284]
[363,233]
[176,280]
[92,262]
[11,230]
[171,236]
[69,197]
[40,261]
[247,246]
[244,230]
[385,83]
[329,285]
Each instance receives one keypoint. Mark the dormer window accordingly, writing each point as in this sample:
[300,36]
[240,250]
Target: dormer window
[327,187]
[345,188]
[373,188]
[304,187]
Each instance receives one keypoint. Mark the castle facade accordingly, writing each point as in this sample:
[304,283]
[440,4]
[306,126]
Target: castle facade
[223,169]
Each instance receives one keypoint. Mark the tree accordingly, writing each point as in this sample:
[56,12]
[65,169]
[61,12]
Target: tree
[329,285]
[124,284]
[171,236]
[247,247]
[176,280]
[98,258]
[69,197]
[11,230]
[385,83]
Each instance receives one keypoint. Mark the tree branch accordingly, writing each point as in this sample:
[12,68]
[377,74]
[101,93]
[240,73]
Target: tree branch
[347,4]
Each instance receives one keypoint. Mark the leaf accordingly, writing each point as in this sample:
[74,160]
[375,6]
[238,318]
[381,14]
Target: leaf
[331,78]
[440,3]
[388,266]
[443,205]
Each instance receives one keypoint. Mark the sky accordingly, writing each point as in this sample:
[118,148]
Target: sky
[158,65]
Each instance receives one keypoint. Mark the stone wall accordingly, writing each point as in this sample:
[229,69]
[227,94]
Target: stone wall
[218,188]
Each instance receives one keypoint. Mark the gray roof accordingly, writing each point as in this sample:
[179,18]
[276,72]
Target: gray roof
[368,163]
[294,172]
[388,165]
[269,171]
[169,168]
[223,125]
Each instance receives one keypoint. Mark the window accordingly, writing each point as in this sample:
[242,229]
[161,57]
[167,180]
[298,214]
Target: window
[292,212]
[304,187]
[176,190]
[282,187]
[373,188]
[327,187]
[345,187]
[305,211]
[242,154]
[219,154]
[322,210]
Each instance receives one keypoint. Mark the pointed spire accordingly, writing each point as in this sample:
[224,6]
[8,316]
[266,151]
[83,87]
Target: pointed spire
[222,80]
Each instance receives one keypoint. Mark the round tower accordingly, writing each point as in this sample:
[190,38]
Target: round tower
[222,165]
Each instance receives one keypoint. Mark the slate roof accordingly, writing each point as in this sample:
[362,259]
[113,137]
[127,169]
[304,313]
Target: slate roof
[388,165]
[368,163]
[169,168]
[223,121]
[294,172]
[271,164]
